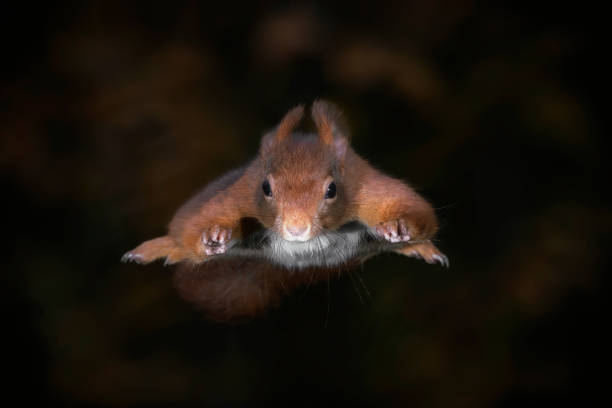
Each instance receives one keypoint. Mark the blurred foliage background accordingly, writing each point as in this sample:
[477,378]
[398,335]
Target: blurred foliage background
[113,113]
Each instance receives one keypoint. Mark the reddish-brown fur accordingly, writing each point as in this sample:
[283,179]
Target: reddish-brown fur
[298,168]
[237,289]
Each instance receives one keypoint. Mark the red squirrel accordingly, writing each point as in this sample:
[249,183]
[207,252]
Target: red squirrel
[307,206]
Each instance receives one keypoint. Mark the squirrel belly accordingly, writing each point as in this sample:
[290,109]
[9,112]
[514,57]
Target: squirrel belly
[351,242]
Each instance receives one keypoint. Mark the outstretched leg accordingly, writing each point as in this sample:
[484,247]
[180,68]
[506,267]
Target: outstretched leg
[425,251]
[397,214]
[149,251]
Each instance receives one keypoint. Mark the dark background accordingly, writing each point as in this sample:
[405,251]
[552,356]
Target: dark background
[113,113]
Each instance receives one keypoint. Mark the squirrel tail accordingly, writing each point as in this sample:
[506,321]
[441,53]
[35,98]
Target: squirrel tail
[236,289]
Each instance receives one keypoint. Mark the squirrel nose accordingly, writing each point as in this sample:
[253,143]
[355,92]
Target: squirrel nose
[297,229]
[297,232]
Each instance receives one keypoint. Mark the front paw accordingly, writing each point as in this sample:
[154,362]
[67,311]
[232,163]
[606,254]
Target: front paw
[215,240]
[394,231]
[425,251]
[148,251]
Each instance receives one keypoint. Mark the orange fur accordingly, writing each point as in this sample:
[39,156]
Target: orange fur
[298,168]
[381,198]
[289,122]
[424,250]
[235,290]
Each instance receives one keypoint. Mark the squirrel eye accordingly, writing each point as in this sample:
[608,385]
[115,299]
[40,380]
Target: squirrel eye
[331,190]
[267,190]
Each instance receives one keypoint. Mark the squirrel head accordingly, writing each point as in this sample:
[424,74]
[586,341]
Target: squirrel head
[302,191]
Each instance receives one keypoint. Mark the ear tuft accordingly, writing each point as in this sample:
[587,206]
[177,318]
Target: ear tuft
[323,115]
[330,125]
[289,122]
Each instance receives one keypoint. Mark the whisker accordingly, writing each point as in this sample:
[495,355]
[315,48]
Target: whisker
[445,206]
[338,235]
[321,251]
[328,300]
[365,288]
[350,274]
[311,278]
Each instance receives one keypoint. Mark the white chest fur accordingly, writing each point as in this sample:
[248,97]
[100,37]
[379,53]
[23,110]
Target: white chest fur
[327,249]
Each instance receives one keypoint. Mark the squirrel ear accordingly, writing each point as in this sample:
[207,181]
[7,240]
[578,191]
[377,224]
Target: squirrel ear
[267,142]
[289,122]
[284,129]
[330,125]
[341,145]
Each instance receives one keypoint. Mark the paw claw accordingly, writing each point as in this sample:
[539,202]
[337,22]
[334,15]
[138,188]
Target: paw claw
[215,239]
[425,251]
[441,259]
[131,257]
[394,231]
[214,233]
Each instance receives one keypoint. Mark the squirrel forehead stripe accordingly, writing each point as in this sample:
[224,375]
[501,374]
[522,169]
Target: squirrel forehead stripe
[300,152]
